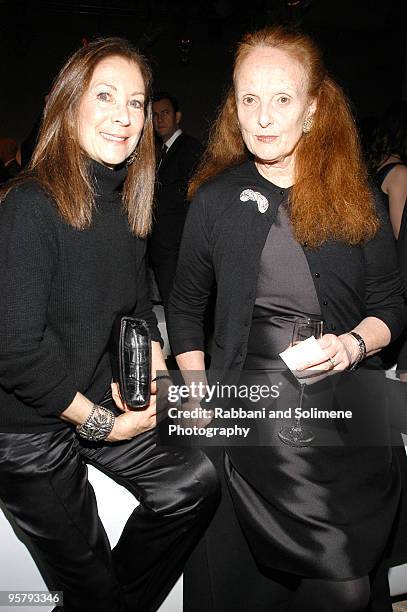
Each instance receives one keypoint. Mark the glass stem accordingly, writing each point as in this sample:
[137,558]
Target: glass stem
[300,402]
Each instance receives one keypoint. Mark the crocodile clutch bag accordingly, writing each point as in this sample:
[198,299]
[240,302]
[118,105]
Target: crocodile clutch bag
[130,356]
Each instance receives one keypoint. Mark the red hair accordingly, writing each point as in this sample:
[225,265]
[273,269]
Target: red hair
[330,198]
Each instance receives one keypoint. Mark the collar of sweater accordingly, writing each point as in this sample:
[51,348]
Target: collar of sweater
[108,182]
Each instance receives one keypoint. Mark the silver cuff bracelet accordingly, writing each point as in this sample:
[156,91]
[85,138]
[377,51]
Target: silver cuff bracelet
[98,425]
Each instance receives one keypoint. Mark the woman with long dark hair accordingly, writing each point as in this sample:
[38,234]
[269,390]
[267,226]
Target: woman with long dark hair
[73,230]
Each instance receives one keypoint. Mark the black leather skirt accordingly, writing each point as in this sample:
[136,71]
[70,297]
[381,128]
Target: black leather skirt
[323,511]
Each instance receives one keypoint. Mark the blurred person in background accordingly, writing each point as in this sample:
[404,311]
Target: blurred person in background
[388,162]
[178,156]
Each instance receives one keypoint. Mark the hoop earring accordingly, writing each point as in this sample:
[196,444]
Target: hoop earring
[307,125]
[132,157]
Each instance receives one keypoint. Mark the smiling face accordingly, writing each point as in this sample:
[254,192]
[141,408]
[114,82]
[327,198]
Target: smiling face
[272,104]
[111,112]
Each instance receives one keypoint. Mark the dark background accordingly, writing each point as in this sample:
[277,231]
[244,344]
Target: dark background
[190,45]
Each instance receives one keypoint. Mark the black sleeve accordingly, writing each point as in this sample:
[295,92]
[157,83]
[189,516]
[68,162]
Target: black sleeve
[144,307]
[193,282]
[383,286]
[28,258]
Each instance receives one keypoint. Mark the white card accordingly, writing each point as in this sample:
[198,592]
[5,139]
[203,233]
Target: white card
[307,350]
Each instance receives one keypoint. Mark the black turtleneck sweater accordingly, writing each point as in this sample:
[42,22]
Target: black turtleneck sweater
[60,291]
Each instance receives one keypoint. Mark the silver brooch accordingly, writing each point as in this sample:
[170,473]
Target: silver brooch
[255,196]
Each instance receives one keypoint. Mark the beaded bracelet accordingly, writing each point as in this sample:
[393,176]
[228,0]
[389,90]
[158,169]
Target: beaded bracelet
[98,425]
[361,346]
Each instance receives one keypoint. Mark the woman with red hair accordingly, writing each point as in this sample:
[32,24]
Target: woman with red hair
[285,222]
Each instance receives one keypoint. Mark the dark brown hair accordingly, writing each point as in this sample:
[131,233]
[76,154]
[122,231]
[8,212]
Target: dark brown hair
[330,198]
[58,162]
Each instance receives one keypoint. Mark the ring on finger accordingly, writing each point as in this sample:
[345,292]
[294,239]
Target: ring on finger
[332,361]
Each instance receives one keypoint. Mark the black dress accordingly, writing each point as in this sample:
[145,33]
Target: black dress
[223,240]
[306,512]
[310,511]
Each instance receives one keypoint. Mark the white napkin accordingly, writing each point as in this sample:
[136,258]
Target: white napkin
[307,350]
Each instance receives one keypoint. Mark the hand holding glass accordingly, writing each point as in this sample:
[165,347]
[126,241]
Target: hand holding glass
[296,435]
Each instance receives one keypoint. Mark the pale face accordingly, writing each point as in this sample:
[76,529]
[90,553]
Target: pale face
[272,103]
[111,112]
[165,119]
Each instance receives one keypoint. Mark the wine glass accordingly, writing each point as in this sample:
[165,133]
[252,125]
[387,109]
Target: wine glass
[296,435]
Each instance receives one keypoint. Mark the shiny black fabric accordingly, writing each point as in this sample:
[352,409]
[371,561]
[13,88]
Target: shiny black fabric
[319,511]
[324,511]
[44,485]
[221,574]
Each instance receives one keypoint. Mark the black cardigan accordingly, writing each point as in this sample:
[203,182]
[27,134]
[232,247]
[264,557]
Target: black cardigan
[61,290]
[222,242]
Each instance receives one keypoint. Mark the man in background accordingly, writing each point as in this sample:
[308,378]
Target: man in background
[178,156]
